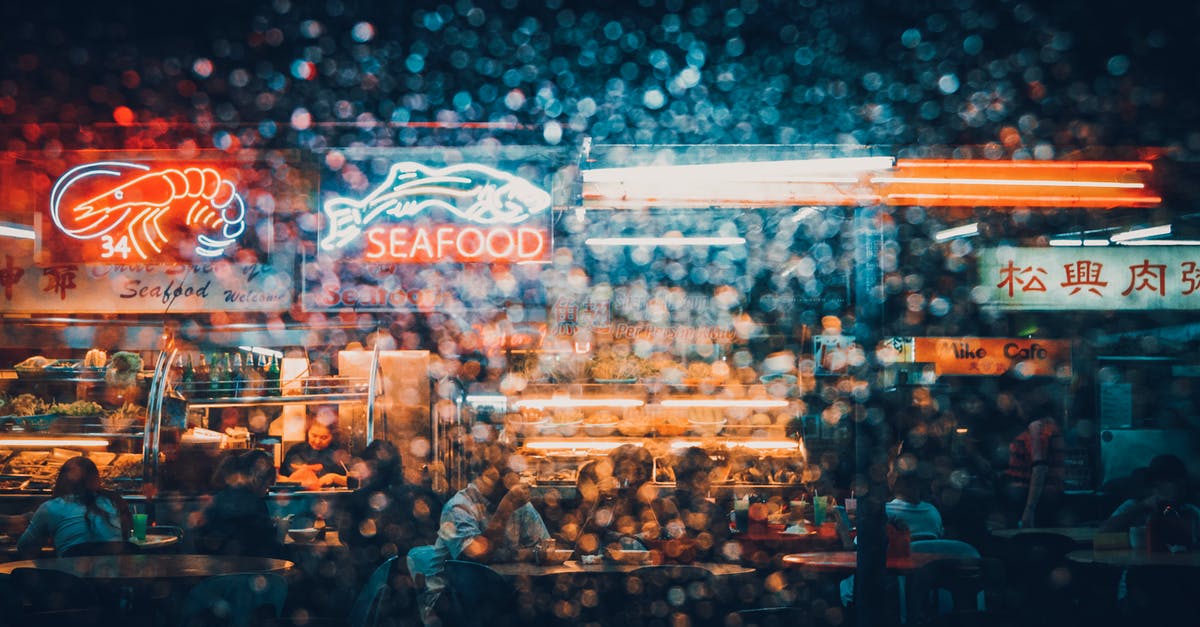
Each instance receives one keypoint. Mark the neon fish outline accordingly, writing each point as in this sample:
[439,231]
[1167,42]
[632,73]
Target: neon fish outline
[492,198]
[215,205]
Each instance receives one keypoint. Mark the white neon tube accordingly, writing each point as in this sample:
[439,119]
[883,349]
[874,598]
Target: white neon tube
[967,230]
[761,403]
[44,442]
[665,241]
[1078,242]
[758,445]
[1152,231]
[588,444]
[799,170]
[1162,242]
[558,403]
[16,232]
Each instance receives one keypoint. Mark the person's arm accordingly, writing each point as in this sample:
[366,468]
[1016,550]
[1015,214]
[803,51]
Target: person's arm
[493,535]
[36,534]
[1131,513]
[1037,479]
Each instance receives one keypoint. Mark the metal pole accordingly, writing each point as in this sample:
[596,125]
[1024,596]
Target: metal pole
[870,442]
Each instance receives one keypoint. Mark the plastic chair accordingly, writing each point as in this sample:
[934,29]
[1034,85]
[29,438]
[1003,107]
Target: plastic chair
[949,592]
[481,596]
[119,547]
[47,597]
[236,600]
[669,589]
[365,612]
[1036,566]
[774,617]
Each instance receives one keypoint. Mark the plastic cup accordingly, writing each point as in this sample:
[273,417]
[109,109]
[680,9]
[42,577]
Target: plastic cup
[139,526]
[818,510]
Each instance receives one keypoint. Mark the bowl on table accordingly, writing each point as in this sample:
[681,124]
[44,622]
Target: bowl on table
[628,556]
[307,534]
[555,556]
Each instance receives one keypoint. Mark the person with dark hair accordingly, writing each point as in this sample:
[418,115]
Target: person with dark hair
[385,516]
[80,511]
[1166,485]
[492,519]
[689,512]
[609,515]
[237,521]
[909,510]
[317,462]
[1036,473]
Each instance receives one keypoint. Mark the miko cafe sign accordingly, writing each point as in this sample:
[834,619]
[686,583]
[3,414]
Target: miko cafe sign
[465,213]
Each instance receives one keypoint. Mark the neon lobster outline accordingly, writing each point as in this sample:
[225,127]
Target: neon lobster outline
[410,188]
[158,190]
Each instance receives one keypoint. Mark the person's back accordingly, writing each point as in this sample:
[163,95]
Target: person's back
[237,521]
[387,517]
[79,512]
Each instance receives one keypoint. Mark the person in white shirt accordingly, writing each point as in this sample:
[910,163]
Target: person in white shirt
[920,517]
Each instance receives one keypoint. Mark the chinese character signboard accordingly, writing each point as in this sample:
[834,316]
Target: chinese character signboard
[435,228]
[1114,277]
[986,356]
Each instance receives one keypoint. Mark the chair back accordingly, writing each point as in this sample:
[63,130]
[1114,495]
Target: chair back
[365,612]
[948,591]
[35,590]
[118,547]
[687,590]
[235,600]
[480,595]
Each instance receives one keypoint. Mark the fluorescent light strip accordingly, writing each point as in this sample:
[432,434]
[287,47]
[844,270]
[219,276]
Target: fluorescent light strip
[1153,231]
[758,445]
[262,351]
[751,171]
[50,442]
[1078,242]
[559,403]
[763,403]
[487,399]
[1161,242]
[16,232]
[1039,200]
[1047,165]
[1015,182]
[587,444]
[665,241]
[967,230]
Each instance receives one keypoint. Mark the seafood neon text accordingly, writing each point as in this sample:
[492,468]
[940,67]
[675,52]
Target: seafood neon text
[449,243]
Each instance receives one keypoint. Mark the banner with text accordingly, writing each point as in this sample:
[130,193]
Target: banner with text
[984,356]
[1095,278]
[67,288]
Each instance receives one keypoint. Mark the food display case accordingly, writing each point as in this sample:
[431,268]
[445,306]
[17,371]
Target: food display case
[52,410]
[750,430]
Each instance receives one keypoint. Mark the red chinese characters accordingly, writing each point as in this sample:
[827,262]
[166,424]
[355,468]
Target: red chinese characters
[1084,274]
[1025,278]
[1147,276]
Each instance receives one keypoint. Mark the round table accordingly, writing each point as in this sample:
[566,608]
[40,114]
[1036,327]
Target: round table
[1133,558]
[122,568]
[570,567]
[846,562]
[1078,535]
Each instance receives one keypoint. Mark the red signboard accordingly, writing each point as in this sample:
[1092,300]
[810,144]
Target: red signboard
[143,212]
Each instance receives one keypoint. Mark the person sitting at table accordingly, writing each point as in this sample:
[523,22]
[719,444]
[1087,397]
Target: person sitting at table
[688,513]
[492,520]
[608,515]
[237,521]
[317,462]
[386,516]
[78,512]
[910,510]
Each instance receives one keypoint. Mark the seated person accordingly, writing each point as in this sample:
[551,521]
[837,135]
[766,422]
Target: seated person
[1166,485]
[908,511]
[385,516]
[608,515]
[80,511]
[317,462]
[237,521]
[492,520]
[689,512]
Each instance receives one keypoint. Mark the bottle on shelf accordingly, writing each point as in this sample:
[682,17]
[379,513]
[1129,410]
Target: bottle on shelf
[200,389]
[273,377]
[187,376]
[237,376]
[216,376]
[255,375]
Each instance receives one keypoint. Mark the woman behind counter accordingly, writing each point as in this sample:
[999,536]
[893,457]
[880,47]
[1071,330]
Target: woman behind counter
[317,462]
[79,512]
